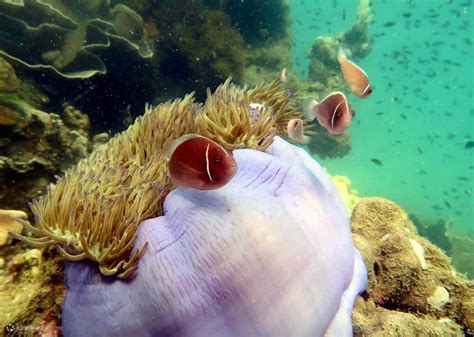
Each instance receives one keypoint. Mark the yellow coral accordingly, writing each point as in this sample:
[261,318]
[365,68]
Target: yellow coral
[11,221]
[94,210]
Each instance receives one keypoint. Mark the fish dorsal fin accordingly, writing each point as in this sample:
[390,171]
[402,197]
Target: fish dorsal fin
[308,111]
[171,144]
[283,76]
[341,55]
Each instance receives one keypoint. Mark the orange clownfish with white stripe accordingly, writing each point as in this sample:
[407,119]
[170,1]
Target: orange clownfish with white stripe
[354,75]
[197,162]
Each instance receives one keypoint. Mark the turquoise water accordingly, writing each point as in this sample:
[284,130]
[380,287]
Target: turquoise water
[420,115]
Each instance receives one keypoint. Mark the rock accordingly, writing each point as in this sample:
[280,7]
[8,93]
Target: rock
[370,320]
[10,221]
[407,274]
[8,80]
[439,298]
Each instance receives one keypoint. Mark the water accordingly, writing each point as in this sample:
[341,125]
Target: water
[74,74]
[423,86]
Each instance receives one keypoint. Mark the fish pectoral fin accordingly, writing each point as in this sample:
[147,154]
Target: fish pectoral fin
[187,176]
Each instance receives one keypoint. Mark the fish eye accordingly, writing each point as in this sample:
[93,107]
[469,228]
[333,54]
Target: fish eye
[217,159]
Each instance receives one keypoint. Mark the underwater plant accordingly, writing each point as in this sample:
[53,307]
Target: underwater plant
[94,210]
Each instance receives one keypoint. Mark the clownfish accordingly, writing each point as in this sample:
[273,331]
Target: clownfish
[355,77]
[295,130]
[197,162]
[333,113]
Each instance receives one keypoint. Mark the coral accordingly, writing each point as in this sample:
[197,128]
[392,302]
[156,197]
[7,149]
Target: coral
[326,145]
[32,290]
[270,254]
[76,120]
[357,37]
[348,194]
[65,38]
[123,183]
[371,320]
[202,42]
[462,253]
[35,145]
[324,66]
[10,221]
[261,62]
[434,231]
[323,61]
[8,80]
[408,274]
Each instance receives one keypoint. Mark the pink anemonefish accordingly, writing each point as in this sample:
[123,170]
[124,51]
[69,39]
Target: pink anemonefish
[198,162]
[355,77]
[333,113]
[295,130]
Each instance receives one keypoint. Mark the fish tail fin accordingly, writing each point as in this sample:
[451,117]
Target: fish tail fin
[308,112]
[341,55]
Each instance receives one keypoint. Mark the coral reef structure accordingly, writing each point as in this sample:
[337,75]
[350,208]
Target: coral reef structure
[32,291]
[324,66]
[9,82]
[413,289]
[204,55]
[462,253]
[93,211]
[34,145]
[326,145]
[66,38]
[10,221]
[215,264]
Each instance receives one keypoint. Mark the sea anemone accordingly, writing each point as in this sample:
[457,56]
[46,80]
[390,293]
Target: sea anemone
[94,210]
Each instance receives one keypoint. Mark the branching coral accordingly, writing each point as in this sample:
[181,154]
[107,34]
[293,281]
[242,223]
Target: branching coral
[94,210]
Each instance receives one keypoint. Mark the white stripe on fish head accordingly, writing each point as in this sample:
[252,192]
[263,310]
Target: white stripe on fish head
[207,163]
[334,113]
[366,88]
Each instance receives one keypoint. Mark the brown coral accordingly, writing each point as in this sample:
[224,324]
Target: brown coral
[94,210]
[407,273]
